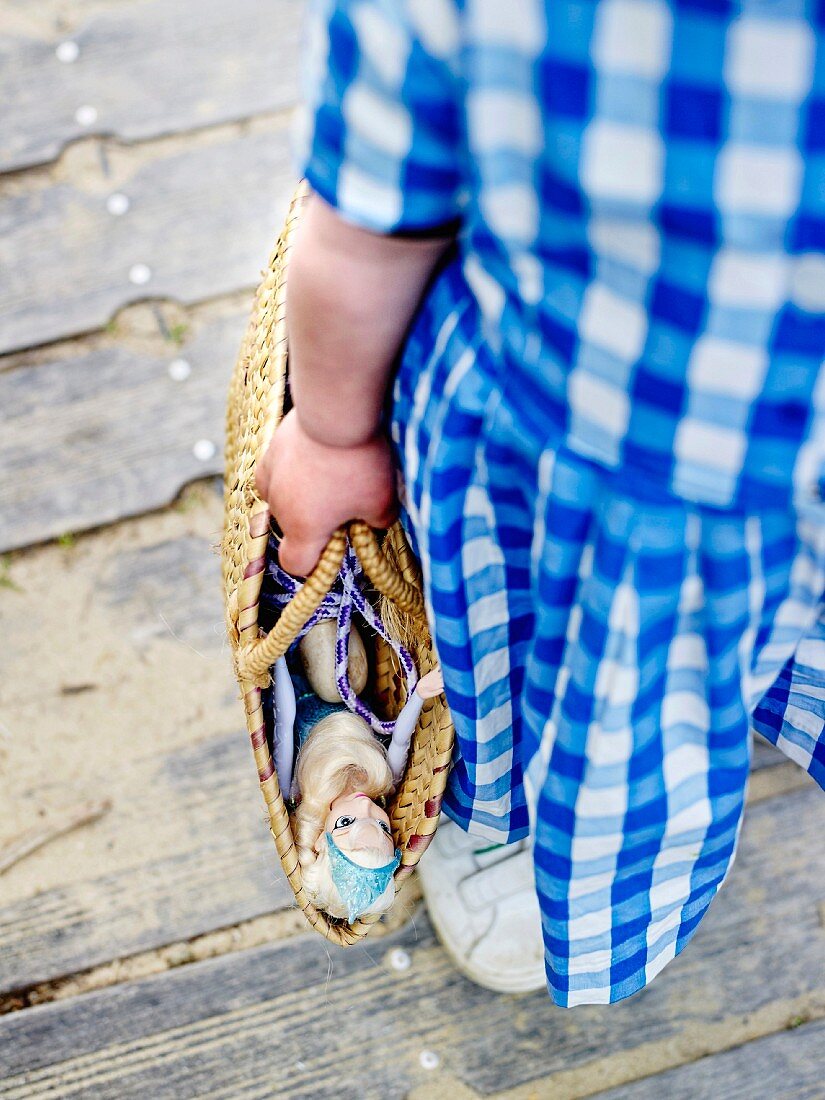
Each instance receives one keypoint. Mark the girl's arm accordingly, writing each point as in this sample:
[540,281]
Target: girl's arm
[364,288]
[284,725]
[351,295]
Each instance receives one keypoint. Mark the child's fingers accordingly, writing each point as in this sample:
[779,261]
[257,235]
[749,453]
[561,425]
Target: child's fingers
[380,504]
[382,518]
[300,556]
[262,478]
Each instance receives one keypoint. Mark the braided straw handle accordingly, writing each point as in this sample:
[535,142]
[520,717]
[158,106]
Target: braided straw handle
[256,659]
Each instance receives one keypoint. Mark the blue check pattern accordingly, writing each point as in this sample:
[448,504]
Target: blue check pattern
[610,415]
[604,653]
[642,188]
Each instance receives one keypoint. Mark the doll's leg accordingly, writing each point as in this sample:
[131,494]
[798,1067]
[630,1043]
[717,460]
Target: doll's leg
[318,655]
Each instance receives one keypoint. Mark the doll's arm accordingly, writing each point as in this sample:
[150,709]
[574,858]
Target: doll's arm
[284,725]
[405,725]
[428,687]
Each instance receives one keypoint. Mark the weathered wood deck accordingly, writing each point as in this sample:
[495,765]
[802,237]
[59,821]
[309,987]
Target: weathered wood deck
[154,952]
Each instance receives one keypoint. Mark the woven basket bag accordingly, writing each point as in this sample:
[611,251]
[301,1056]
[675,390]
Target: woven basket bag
[256,403]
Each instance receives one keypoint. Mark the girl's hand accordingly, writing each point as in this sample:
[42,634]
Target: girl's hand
[431,685]
[313,488]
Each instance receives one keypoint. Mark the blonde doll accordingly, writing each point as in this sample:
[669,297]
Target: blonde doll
[342,833]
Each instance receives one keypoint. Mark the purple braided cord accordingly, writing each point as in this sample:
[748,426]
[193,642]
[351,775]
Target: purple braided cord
[339,603]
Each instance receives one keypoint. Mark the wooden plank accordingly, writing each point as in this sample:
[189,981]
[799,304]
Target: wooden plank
[156,575]
[303,1019]
[204,215]
[765,755]
[204,61]
[786,1066]
[116,683]
[89,439]
[223,869]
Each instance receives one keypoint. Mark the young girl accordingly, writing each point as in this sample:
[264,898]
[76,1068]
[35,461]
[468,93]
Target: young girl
[594,233]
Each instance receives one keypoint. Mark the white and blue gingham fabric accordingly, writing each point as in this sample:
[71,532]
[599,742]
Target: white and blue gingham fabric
[610,416]
[603,651]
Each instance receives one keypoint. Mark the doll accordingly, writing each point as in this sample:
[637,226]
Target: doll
[342,833]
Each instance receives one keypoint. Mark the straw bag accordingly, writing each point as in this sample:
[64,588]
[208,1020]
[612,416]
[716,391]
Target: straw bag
[257,397]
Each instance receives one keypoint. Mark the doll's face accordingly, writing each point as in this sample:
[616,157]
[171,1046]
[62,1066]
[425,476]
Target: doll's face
[355,821]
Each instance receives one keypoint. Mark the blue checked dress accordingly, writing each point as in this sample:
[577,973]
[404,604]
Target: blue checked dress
[610,417]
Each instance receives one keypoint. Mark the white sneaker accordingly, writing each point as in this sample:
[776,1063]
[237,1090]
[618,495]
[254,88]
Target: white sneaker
[482,902]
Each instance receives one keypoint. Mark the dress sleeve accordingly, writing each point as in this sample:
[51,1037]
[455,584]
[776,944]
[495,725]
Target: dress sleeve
[378,133]
[284,733]
[405,725]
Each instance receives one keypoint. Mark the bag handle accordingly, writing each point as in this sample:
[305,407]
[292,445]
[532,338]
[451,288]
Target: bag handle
[255,660]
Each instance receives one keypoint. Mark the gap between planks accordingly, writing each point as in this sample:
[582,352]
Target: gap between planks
[175,185]
[267,929]
[80,157]
[202,1030]
[143,326]
[769,782]
[621,1070]
[147,45]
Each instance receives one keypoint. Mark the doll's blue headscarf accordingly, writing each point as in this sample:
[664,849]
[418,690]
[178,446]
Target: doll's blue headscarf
[358,886]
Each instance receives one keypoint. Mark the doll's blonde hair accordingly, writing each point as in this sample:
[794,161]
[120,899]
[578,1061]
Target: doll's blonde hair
[340,755]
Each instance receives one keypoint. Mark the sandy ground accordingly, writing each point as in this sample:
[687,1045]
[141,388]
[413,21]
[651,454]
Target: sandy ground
[102,668]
